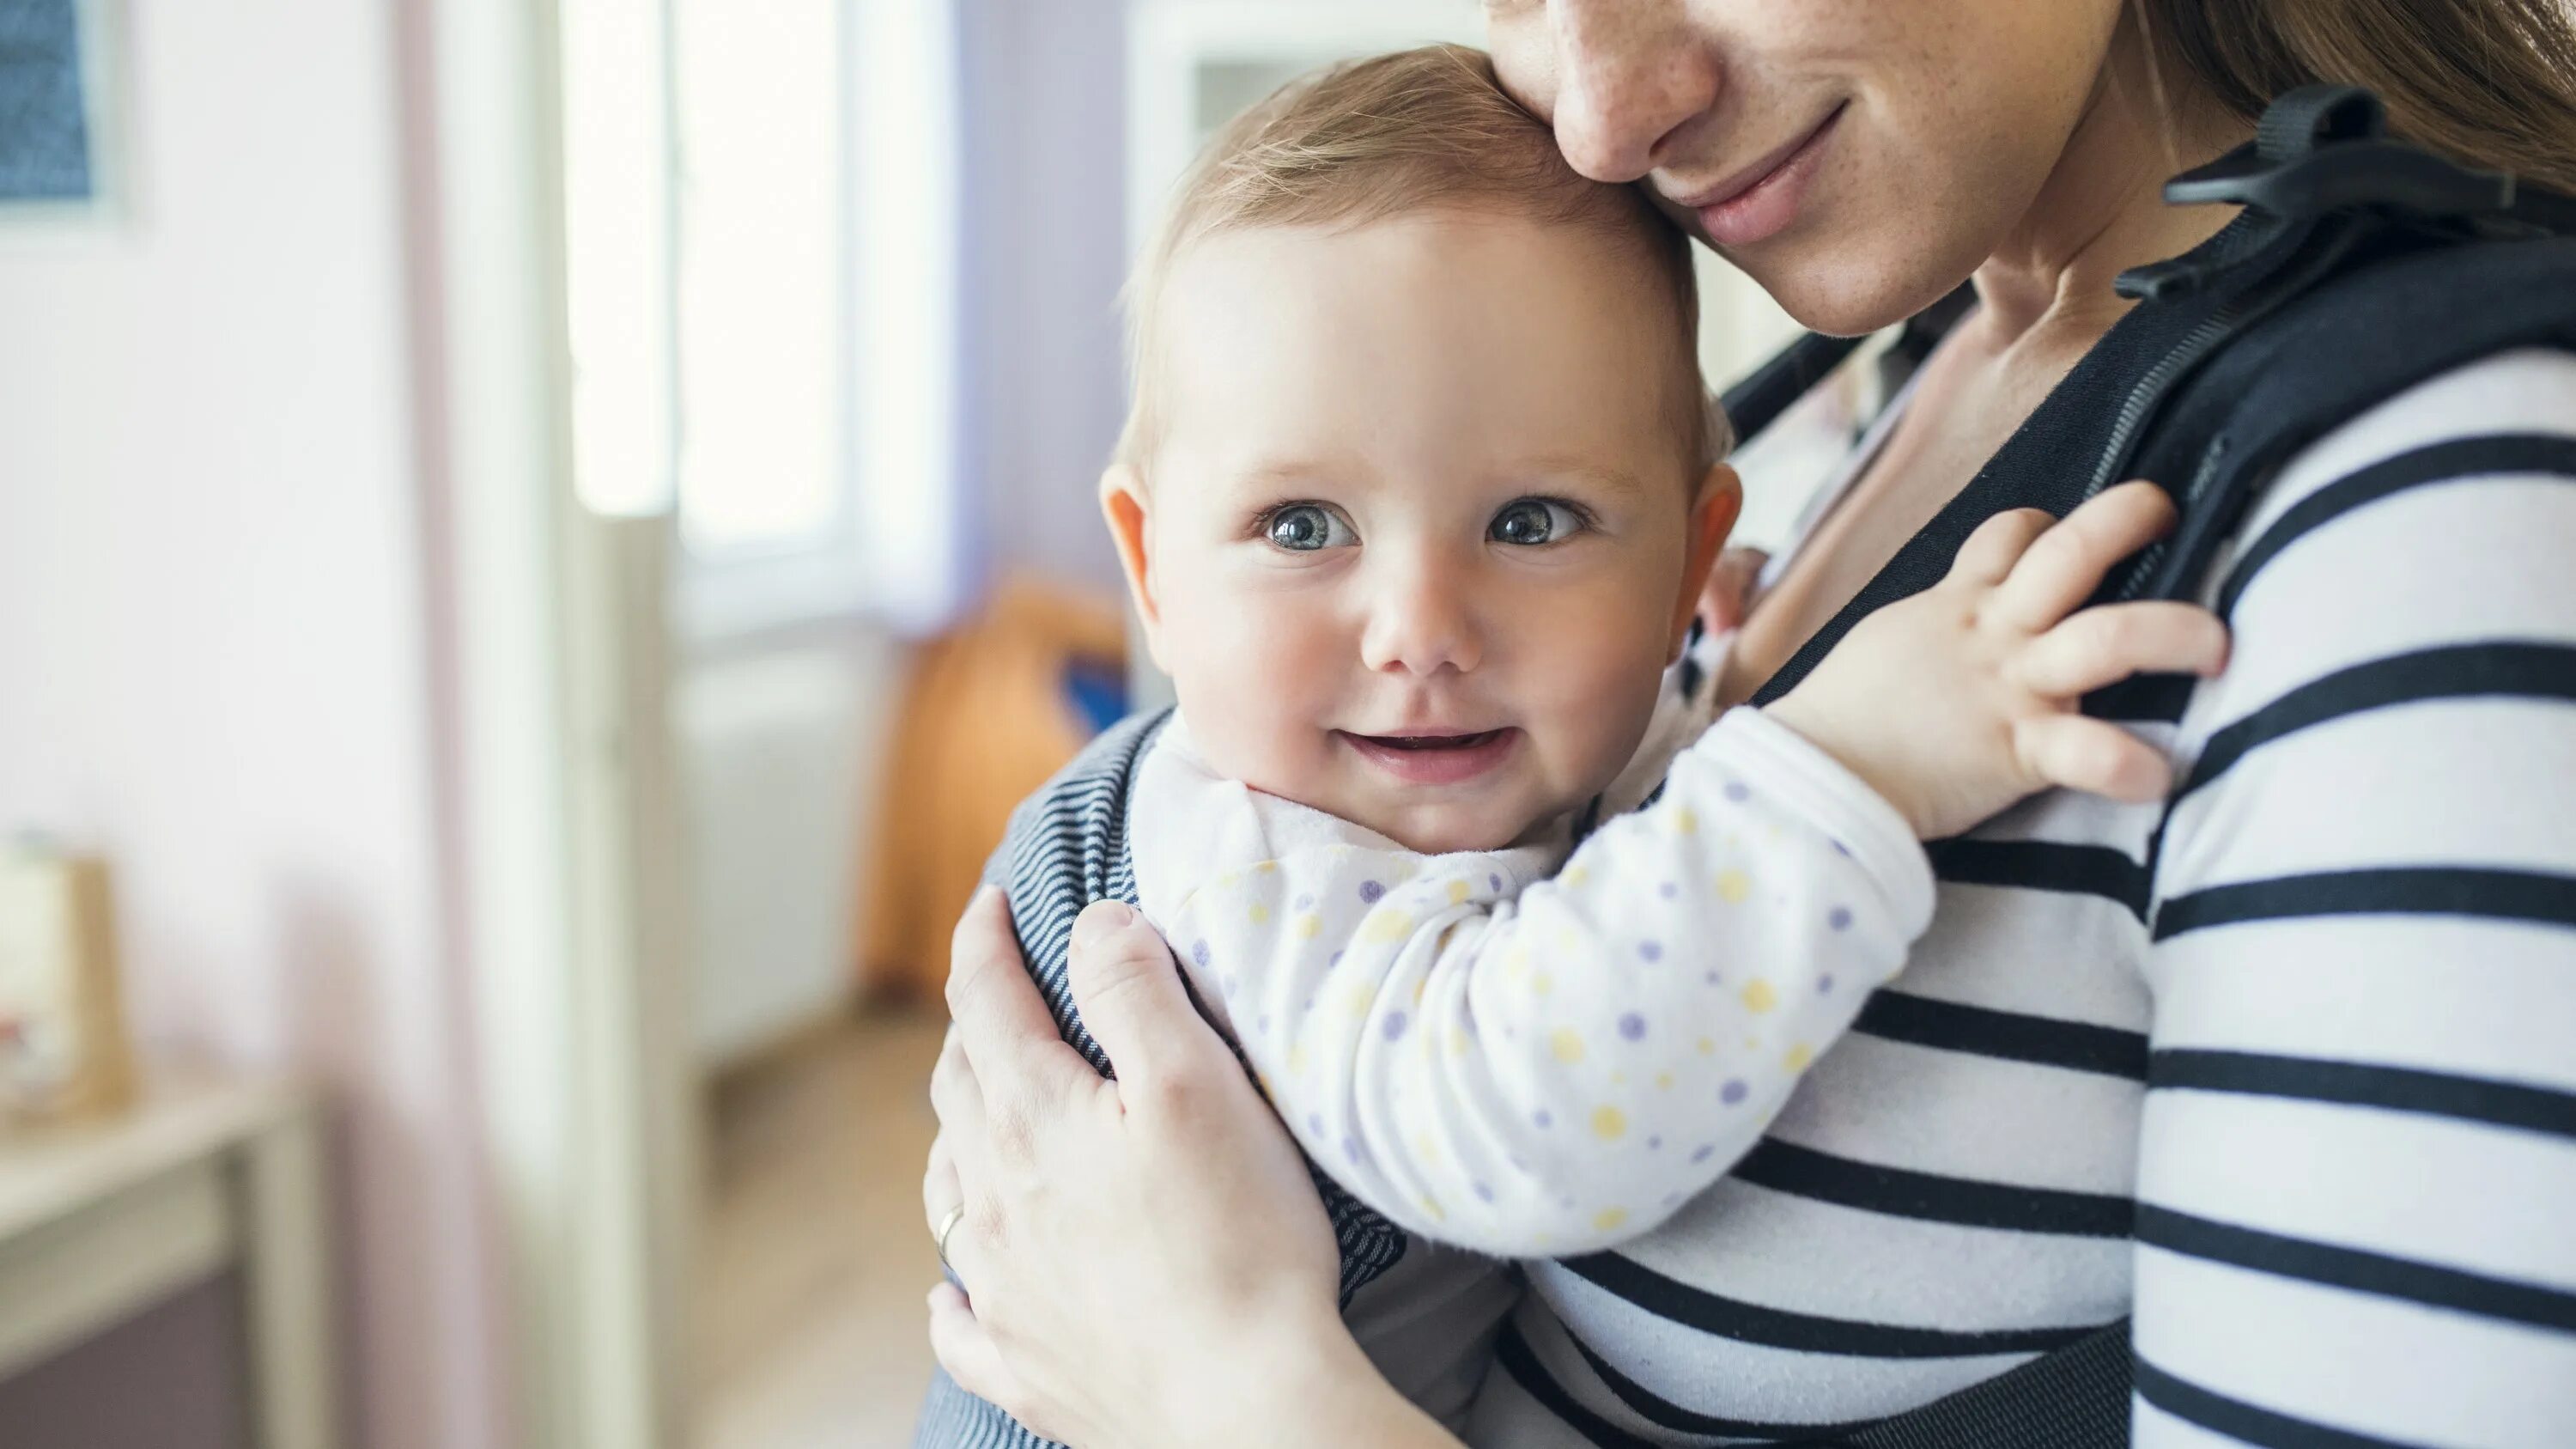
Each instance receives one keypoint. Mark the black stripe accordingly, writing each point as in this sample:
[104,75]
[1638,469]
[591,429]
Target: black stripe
[2459,460]
[1513,1352]
[2394,1089]
[2043,865]
[2142,699]
[1657,1409]
[2357,1271]
[2465,671]
[1730,1318]
[1897,1192]
[2242,1421]
[2496,895]
[2077,1046]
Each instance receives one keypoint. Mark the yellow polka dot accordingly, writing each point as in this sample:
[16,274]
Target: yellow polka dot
[1758,996]
[1566,1044]
[1706,1046]
[1267,867]
[1798,1057]
[1457,893]
[1733,886]
[1386,925]
[1618,1079]
[1431,1205]
[1360,999]
[1515,963]
[1664,1080]
[1542,984]
[1309,926]
[1578,875]
[1609,1123]
[1685,822]
[1420,987]
[1426,1149]
[1260,914]
[1609,1219]
[1458,1042]
[1297,1058]
[1228,881]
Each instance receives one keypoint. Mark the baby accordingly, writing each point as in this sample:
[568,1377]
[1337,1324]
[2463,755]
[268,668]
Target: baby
[1419,492]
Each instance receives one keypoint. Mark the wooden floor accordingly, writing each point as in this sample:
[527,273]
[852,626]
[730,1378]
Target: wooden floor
[814,1258]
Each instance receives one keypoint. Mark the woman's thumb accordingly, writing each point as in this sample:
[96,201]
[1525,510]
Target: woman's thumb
[1130,994]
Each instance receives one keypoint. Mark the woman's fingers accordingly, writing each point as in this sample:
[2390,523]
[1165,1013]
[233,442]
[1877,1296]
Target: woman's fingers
[967,1352]
[941,1191]
[1999,543]
[1004,1024]
[2106,645]
[2066,563]
[2076,753]
[958,1100]
[1130,995]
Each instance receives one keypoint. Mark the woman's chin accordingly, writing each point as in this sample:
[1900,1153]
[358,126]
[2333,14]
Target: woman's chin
[1846,292]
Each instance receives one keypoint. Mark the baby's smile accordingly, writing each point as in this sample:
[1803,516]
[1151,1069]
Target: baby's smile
[1435,758]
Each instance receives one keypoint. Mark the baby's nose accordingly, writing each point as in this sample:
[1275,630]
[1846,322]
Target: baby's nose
[1422,626]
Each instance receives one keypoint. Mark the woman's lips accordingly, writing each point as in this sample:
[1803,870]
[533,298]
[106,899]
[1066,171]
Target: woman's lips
[1434,759]
[1744,211]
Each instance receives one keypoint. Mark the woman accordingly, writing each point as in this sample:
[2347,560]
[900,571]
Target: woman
[2336,1195]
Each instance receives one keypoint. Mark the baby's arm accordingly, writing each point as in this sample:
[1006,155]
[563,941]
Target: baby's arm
[1548,1075]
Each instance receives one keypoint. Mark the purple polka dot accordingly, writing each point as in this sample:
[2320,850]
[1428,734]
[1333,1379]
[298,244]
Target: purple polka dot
[1496,882]
[1351,1150]
[1738,791]
[1229,985]
[1543,1118]
[1394,1025]
[1315,1123]
[1565,1202]
[1519,1166]
[1633,1027]
[1825,983]
[1305,901]
[1705,1153]
[1484,1193]
[1733,1092]
[1651,950]
[1370,891]
[1714,978]
[1668,890]
[1841,849]
[1199,953]
[1840,919]
[1336,959]
[1654,1143]
[1265,1023]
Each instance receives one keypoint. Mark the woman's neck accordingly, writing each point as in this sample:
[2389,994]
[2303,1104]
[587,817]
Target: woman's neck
[2102,210]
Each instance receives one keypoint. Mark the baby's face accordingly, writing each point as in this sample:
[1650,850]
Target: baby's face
[1419,538]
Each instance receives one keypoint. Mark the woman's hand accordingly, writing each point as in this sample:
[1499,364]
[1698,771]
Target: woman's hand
[1147,1260]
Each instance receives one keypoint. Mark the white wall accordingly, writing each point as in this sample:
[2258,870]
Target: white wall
[213,656]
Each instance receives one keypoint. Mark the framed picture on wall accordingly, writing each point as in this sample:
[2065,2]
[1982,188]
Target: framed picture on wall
[60,126]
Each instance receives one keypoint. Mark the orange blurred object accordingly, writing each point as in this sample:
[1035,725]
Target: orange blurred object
[987,717]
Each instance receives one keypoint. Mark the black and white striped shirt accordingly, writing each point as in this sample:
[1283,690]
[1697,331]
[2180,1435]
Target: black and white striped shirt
[2287,1068]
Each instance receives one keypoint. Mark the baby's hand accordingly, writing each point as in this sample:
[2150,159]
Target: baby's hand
[1961,700]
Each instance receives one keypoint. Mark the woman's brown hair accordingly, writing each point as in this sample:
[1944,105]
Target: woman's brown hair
[2491,83]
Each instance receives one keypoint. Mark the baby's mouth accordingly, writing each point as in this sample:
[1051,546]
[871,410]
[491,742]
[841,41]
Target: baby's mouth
[1441,759]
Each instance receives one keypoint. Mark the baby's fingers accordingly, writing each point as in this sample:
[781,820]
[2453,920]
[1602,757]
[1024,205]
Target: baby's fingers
[2108,644]
[2063,566]
[2073,752]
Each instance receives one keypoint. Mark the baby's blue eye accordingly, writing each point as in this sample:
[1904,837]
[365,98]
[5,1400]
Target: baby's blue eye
[1307,527]
[1528,521]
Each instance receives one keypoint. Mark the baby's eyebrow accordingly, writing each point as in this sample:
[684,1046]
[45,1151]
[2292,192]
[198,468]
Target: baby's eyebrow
[1572,470]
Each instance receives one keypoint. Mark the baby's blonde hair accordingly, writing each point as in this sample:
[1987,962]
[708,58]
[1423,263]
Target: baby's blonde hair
[1418,130]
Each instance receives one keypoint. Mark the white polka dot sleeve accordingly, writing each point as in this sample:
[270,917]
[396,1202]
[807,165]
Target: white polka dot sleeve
[1549,1067]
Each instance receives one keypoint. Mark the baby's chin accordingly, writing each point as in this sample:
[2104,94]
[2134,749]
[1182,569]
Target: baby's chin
[1444,830]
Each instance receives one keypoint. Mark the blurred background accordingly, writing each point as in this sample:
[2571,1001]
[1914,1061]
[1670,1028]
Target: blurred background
[539,542]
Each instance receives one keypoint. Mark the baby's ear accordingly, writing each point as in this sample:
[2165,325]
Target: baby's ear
[1123,504]
[1712,517]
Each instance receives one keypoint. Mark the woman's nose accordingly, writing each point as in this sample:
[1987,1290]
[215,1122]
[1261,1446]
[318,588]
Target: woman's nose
[1420,624]
[1630,75]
